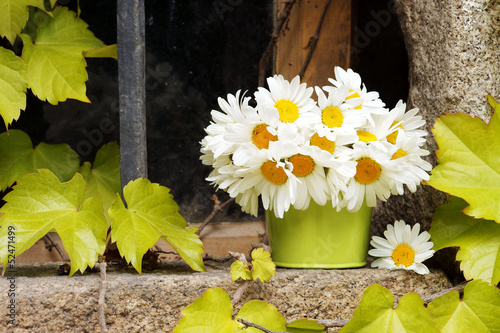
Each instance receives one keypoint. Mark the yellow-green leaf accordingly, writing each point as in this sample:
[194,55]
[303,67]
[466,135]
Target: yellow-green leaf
[151,214]
[40,203]
[55,61]
[263,266]
[108,51]
[469,162]
[18,157]
[103,178]
[212,313]
[479,240]
[305,326]
[13,16]
[239,269]
[13,87]
[263,314]
[375,313]
[478,311]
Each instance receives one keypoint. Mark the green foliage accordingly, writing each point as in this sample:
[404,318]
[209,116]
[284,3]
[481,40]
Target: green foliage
[479,240]
[261,268]
[305,326]
[478,311]
[40,203]
[14,15]
[55,56]
[375,313]
[263,314]
[213,313]
[18,157]
[469,165]
[103,178]
[152,213]
[12,86]
[242,270]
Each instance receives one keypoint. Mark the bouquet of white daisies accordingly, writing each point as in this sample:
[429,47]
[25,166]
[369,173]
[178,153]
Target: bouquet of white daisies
[346,147]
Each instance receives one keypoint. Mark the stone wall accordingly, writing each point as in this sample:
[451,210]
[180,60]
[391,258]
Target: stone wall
[454,62]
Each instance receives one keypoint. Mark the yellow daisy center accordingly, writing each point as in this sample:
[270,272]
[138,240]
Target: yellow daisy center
[332,117]
[355,95]
[394,135]
[302,165]
[403,255]
[367,171]
[366,136]
[399,153]
[323,143]
[261,136]
[288,110]
[273,173]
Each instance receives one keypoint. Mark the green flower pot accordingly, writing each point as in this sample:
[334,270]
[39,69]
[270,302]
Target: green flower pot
[320,237]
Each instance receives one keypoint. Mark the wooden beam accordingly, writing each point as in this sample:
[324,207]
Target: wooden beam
[332,48]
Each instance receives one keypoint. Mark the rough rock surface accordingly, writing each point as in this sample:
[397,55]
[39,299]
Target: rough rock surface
[454,62]
[152,302]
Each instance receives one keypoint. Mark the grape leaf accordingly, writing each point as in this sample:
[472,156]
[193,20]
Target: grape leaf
[108,51]
[40,203]
[263,314]
[212,313]
[263,266]
[305,326]
[13,86]
[103,178]
[469,167]
[55,61]
[239,269]
[375,313]
[152,214]
[477,312]
[13,16]
[18,157]
[479,240]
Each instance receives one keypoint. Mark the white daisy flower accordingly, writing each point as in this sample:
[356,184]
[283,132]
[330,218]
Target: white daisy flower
[375,174]
[402,248]
[308,165]
[285,103]
[359,97]
[235,110]
[407,150]
[270,177]
[409,122]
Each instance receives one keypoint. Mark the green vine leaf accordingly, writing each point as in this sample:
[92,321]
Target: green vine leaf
[40,203]
[13,86]
[151,214]
[103,178]
[476,312]
[375,313]
[13,16]
[305,326]
[469,167]
[108,51]
[212,313]
[18,157]
[56,57]
[263,266]
[239,269]
[263,314]
[479,240]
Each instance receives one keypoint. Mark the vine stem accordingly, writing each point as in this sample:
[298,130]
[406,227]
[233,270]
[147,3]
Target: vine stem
[218,207]
[314,40]
[263,329]
[62,253]
[264,59]
[102,292]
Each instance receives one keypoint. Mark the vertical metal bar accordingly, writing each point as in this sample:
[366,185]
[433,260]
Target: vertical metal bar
[131,78]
